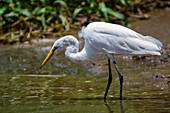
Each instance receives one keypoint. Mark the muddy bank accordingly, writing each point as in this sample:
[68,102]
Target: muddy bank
[158,25]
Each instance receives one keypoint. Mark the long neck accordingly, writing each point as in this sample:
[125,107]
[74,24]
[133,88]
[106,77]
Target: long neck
[72,50]
[72,47]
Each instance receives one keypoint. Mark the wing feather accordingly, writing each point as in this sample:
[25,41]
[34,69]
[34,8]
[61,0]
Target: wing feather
[117,39]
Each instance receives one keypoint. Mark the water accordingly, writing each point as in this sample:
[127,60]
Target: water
[66,87]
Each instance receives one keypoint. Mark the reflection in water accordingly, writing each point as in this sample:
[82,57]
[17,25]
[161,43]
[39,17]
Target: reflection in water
[121,106]
[107,105]
[110,110]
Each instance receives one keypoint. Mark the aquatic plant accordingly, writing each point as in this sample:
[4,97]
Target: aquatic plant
[32,13]
[20,19]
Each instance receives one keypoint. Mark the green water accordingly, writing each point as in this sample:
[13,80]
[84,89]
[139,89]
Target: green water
[66,87]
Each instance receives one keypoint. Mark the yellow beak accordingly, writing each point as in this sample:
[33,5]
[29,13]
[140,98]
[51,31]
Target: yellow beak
[50,54]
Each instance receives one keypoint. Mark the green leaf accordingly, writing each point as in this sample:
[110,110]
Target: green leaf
[63,19]
[115,13]
[43,1]
[25,12]
[11,3]
[48,10]
[14,38]
[131,5]
[41,11]
[2,10]
[2,23]
[103,8]
[124,2]
[60,2]
[19,10]
[126,23]
[106,10]
[76,12]
[11,14]
[43,21]
[65,23]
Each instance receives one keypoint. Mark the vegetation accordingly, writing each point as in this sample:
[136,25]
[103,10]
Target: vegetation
[20,19]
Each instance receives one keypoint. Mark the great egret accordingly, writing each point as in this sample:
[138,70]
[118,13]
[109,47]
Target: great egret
[109,39]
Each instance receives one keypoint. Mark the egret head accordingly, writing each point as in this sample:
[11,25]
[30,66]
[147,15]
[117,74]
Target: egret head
[66,40]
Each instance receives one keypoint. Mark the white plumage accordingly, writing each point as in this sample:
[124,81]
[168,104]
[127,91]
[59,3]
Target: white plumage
[101,37]
[106,39]
[116,39]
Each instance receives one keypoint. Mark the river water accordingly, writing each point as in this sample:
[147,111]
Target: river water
[66,87]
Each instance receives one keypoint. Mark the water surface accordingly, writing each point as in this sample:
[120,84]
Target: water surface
[66,87]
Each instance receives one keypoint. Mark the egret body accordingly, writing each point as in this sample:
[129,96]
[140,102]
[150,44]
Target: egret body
[109,39]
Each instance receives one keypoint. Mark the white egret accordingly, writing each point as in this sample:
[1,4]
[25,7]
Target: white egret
[109,39]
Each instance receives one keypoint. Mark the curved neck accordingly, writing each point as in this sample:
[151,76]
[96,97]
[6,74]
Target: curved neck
[72,46]
[72,49]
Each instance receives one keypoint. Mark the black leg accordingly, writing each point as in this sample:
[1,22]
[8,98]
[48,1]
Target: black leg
[109,80]
[120,75]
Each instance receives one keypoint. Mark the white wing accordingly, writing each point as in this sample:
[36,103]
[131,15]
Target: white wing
[112,38]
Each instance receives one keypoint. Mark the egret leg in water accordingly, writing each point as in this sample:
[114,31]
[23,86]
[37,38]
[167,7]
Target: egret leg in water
[109,80]
[110,77]
[109,39]
[119,73]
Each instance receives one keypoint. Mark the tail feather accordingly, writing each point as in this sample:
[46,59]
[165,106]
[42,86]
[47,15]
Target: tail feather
[151,39]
